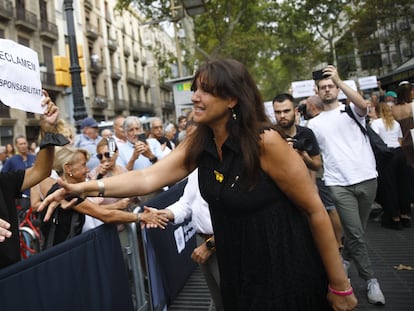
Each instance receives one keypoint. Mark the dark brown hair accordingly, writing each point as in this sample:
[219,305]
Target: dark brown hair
[228,78]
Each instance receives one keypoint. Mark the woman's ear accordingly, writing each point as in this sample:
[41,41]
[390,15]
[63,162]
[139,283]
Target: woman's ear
[232,103]
[66,168]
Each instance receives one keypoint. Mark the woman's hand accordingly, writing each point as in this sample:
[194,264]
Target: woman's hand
[58,197]
[50,115]
[342,303]
[4,232]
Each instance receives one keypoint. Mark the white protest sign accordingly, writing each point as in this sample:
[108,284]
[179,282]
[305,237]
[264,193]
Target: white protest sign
[351,84]
[366,83]
[270,112]
[304,88]
[20,85]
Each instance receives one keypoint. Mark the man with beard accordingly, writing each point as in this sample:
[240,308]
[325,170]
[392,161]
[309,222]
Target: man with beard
[349,171]
[300,138]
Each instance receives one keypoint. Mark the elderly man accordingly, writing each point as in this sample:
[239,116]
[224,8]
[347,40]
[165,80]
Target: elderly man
[119,134]
[88,140]
[139,152]
[156,132]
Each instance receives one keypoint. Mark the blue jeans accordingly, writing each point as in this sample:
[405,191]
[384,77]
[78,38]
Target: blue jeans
[353,204]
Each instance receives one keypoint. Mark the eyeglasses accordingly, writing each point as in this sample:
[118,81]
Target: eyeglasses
[328,86]
[107,155]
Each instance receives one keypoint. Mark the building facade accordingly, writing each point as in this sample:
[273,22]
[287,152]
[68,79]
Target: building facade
[123,61]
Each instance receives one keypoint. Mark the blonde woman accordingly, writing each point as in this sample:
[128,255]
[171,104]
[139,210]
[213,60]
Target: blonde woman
[38,192]
[70,165]
[393,190]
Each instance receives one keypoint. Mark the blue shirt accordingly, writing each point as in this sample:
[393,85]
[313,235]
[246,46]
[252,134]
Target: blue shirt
[89,144]
[126,150]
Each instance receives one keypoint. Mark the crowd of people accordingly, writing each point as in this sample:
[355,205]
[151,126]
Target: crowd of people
[288,201]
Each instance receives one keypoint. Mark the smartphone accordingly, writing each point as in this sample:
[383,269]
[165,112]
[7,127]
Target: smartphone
[111,145]
[142,137]
[317,75]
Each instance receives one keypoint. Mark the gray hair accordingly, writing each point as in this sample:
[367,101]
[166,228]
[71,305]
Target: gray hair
[169,127]
[129,121]
[153,119]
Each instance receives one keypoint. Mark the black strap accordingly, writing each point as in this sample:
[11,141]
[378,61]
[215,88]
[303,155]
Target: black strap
[348,110]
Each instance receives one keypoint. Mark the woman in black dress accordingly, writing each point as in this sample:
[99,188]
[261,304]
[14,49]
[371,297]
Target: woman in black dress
[275,244]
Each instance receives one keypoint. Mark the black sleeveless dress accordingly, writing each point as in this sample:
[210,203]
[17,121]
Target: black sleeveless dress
[266,253]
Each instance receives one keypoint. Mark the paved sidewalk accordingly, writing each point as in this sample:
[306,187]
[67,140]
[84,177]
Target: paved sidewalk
[387,248]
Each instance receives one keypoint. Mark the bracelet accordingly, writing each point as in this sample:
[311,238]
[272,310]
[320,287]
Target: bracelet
[101,188]
[347,292]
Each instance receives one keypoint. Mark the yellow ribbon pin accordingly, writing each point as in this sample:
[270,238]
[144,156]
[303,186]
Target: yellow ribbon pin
[219,176]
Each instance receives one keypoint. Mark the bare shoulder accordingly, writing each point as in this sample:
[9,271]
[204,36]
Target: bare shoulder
[401,111]
[270,138]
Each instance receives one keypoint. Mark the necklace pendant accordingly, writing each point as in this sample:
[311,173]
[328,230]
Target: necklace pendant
[219,176]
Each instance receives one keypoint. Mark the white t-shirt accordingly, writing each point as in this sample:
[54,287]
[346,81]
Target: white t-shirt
[347,155]
[390,136]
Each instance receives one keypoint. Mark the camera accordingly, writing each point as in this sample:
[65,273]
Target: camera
[302,109]
[302,144]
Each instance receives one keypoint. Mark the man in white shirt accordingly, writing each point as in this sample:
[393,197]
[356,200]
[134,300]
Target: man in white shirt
[349,171]
[138,152]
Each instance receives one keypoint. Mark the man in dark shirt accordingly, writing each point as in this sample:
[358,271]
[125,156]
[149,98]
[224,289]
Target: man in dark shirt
[14,182]
[301,138]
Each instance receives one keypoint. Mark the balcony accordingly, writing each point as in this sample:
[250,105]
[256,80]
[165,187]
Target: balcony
[116,74]
[48,31]
[96,68]
[127,51]
[25,20]
[6,10]
[112,45]
[134,79]
[91,32]
[100,102]
[48,78]
[88,5]
[135,56]
[120,104]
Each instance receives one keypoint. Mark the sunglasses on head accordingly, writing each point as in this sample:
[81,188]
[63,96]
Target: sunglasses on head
[107,155]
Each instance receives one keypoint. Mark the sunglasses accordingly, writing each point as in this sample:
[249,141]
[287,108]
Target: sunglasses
[107,155]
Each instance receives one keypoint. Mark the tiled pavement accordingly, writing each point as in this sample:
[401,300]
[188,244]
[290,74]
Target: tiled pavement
[387,248]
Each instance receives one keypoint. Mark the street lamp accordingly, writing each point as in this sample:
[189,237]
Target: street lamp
[79,111]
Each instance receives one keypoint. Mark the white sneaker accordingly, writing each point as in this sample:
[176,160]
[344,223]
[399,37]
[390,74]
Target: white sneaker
[374,293]
[346,265]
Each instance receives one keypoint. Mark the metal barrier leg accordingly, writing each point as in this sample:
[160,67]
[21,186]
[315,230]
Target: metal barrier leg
[134,259]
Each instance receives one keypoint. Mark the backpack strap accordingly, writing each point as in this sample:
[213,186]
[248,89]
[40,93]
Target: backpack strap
[348,110]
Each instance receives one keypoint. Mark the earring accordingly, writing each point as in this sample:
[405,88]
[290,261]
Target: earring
[70,174]
[234,115]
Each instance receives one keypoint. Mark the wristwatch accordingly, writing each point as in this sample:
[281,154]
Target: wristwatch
[210,244]
[153,160]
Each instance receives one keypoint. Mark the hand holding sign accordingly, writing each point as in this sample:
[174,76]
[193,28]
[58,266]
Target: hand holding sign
[20,85]
[50,115]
